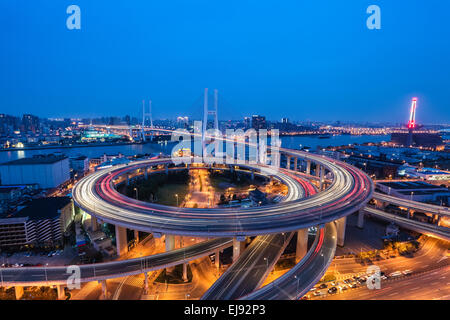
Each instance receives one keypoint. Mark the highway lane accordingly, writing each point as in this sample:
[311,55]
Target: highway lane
[252,267]
[249,271]
[32,276]
[421,227]
[432,285]
[425,207]
[348,192]
[305,274]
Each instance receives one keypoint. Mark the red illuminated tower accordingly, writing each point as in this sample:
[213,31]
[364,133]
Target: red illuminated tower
[412,115]
[412,121]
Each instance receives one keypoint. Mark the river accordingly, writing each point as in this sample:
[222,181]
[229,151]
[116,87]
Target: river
[294,142]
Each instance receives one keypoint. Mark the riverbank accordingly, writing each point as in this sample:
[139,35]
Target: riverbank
[81,145]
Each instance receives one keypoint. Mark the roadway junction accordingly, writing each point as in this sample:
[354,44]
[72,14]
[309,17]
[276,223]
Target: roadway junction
[322,192]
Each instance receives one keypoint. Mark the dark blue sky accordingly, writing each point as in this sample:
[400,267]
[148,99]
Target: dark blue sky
[300,59]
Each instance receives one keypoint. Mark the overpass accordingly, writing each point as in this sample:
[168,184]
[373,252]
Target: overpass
[420,227]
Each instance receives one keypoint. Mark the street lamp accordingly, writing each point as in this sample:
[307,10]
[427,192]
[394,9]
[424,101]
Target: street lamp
[45,269]
[135,189]
[298,282]
[412,193]
[176,195]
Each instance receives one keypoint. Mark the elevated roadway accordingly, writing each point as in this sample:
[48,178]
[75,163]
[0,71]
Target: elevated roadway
[250,270]
[348,192]
[410,224]
[33,276]
[305,274]
[410,204]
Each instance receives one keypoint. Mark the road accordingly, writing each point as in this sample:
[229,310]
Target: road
[432,285]
[425,207]
[421,227]
[32,276]
[348,192]
[304,275]
[249,271]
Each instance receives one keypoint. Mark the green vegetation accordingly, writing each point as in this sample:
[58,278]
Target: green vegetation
[284,264]
[7,294]
[328,277]
[161,188]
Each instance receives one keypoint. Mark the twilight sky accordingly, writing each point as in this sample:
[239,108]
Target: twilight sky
[305,60]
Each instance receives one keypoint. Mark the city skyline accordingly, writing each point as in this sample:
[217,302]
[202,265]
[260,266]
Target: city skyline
[302,61]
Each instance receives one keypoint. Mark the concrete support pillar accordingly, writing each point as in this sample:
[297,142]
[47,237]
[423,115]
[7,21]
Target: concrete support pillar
[253,175]
[308,166]
[322,172]
[61,292]
[121,240]
[170,242]
[238,248]
[437,219]
[128,179]
[217,259]
[295,163]
[317,171]
[410,213]
[19,292]
[340,225]
[146,173]
[288,162]
[146,283]
[302,244]
[231,169]
[360,219]
[104,295]
[185,275]
[136,235]
[167,169]
[94,223]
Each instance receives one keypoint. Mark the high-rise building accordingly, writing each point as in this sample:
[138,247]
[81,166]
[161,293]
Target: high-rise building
[259,122]
[30,123]
[247,123]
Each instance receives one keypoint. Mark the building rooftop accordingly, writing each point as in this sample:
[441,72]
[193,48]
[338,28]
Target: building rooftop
[8,189]
[410,185]
[43,208]
[47,159]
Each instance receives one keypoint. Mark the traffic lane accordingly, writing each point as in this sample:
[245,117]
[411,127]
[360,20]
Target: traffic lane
[251,268]
[305,274]
[426,286]
[112,269]
[432,251]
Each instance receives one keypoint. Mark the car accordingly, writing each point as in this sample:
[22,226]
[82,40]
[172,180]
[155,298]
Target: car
[353,286]
[384,277]
[317,293]
[332,290]
[395,274]
[407,272]
[343,287]
[323,286]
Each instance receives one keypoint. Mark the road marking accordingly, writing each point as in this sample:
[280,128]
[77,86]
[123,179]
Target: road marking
[101,271]
[392,294]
